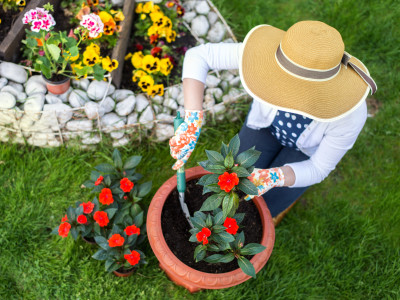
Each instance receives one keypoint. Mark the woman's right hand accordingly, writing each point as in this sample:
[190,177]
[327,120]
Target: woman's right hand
[184,141]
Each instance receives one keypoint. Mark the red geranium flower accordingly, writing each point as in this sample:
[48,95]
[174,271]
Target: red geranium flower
[116,240]
[203,235]
[126,185]
[139,47]
[231,225]
[156,52]
[99,180]
[101,218]
[105,196]
[65,219]
[63,229]
[132,230]
[133,258]
[87,207]
[227,181]
[81,219]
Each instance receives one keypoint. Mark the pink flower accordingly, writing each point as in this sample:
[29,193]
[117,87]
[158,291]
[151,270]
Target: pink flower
[36,25]
[41,52]
[93,24]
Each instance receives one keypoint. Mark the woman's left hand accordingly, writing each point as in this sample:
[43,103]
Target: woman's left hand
[266,179]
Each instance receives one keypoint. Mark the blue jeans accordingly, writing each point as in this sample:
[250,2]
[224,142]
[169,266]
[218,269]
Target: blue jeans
[273,154]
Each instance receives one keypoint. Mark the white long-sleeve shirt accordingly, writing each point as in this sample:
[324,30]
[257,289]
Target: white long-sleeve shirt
[324,142]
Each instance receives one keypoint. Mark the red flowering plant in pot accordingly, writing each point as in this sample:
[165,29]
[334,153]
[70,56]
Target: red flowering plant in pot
[217,231]
[114,219]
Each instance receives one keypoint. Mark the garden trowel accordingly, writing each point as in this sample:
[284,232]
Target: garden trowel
[180,177]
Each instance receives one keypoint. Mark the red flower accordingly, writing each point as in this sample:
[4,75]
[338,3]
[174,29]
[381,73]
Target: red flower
[153,38]
[101,218]
[99,180]
[203,235]
[133,258]
[180,10]
[63,229]
[125,197]
[132,230]
[156,52]
[87,207]
[65,219]
[105,196]
[231,225]
[81,219]
[126,185]
[139,47]
[227,181]
[116,240]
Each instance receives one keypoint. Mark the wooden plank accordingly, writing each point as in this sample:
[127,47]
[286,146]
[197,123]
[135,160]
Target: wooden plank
[123,40]
[9,47]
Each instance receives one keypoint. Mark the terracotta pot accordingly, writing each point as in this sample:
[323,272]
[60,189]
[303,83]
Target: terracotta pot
[125,273]
[57,87]
[184,275]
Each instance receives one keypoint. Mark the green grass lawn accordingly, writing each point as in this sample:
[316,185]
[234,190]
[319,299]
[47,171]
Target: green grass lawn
[341,242]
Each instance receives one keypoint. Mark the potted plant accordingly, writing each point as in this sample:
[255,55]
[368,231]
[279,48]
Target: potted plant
[55,54]
[114,220]
[216,240]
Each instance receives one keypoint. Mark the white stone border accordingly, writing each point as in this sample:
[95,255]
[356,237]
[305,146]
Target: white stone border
[53,124]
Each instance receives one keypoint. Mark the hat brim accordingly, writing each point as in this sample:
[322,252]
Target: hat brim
[265,80]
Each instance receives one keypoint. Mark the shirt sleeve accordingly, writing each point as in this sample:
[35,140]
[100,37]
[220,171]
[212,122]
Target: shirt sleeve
[199,60]
[339,138]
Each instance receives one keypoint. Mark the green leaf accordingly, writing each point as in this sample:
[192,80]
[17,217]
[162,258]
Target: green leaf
[214,187]
[144,189]
[199,253]
[220,258]
[55,230]
[226,237]
[234,144]
[105,168]
[239,217]
[107,180]
[193,238]
[224,150]
[247,187]
[212,247]
[113,266]
[208,179]
[111,212]
[212,202]
[239,240]
[116,156]
[214,157]
[201,215]
[219,218]
[74,51]
[115,229]
[203,164]
[98,72]
[218,228]
[229,161]
[246,266]
[46,71]
[241,172]
[54,52]
[138,220]
[198,222]
[100,255]
[209,221]
[217,169]
[252,249]
[227,205]
[71,214]
[100,240]
[74,233]
[248,158]
[132,162]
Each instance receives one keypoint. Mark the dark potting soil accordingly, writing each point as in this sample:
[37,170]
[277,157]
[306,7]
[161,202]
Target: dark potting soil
[7,20]
[176,229]
[185,40]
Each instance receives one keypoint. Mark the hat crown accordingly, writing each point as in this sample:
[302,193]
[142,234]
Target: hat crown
[313,45]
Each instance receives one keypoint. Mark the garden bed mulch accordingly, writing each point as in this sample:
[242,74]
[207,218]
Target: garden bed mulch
[176,228]
[7,20]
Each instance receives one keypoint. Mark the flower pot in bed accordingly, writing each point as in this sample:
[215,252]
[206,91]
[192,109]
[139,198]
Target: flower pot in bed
[186,276]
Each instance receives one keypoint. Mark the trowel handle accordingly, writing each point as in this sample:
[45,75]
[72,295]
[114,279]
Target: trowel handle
[180,174]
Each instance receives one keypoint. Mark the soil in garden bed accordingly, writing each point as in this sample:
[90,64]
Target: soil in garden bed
[7,20]
[184,40]
[176,228]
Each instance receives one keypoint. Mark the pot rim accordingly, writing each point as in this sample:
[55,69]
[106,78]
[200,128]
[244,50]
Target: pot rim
[157,241]
[56,82]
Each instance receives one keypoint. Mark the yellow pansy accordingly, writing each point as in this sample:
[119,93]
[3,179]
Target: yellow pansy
[154,16]
[138,74]
[142,16]
[105,16]
[139,8]
[156,8]
[94,48]
[146,82]
[166,66]
[170,36]
[148,7]
[109,27]
[90,58]
[119,16]
[167,22]
[152,30]
[68,57]
[108,64]
[151,64]
[128,56]
[155,90]
[137,59]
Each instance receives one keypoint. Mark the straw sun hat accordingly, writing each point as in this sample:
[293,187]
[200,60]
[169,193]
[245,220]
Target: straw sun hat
[304,70]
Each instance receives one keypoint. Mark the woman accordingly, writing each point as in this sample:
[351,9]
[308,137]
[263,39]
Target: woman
[308,110]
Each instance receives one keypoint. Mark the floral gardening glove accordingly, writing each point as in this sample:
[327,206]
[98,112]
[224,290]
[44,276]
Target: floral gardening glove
[266,179]
[183,142]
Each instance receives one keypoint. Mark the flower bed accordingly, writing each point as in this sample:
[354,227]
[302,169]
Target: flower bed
[92,110]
